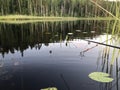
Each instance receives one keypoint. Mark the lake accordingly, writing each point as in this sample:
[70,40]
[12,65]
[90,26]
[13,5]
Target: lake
[40,55]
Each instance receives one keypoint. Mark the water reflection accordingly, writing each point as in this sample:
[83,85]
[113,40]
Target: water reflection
[20,37]
[51,56]
[109,63]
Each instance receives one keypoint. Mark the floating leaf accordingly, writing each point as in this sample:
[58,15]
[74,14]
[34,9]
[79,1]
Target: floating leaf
[92,31]
[50,88]
[56,35]
[84,32]
[78,30]
[100,77]
[70,33]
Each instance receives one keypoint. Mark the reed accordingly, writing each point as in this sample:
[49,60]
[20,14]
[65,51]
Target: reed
[74,8]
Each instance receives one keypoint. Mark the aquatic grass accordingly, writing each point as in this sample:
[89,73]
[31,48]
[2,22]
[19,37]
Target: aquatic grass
[114,25]
[116,17]
[115,52]
[104,9]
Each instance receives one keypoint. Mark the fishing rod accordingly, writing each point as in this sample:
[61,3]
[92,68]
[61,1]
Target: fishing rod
[98,43]
[102,43]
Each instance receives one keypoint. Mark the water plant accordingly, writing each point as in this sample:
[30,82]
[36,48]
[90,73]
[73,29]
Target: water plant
[100,77]
[50,88]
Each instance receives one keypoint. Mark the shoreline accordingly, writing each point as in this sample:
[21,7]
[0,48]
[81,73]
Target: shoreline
[17,19]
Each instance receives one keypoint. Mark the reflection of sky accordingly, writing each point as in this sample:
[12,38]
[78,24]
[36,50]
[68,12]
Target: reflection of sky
[108,39]
[59,50]
[58,47]
[41,69]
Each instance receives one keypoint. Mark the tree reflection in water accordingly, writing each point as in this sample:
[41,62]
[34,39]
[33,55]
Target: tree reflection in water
[22,36]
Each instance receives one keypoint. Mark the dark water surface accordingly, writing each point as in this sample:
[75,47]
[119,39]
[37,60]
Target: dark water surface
[41,55]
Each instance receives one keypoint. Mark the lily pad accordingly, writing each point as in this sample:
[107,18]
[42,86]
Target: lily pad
[92,31]
[56,35]
[84,32]
[100,77]
[78,30]
[50,88]
[70,33]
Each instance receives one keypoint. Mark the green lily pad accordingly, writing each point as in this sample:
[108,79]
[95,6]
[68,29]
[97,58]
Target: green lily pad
[50,88]
[100,77]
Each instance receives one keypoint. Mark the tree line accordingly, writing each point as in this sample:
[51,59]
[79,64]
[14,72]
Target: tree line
[75,8]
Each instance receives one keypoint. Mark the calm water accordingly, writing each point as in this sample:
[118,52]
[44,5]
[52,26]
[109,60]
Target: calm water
[41,55]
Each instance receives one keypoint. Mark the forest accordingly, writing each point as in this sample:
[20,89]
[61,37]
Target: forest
[63,8]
